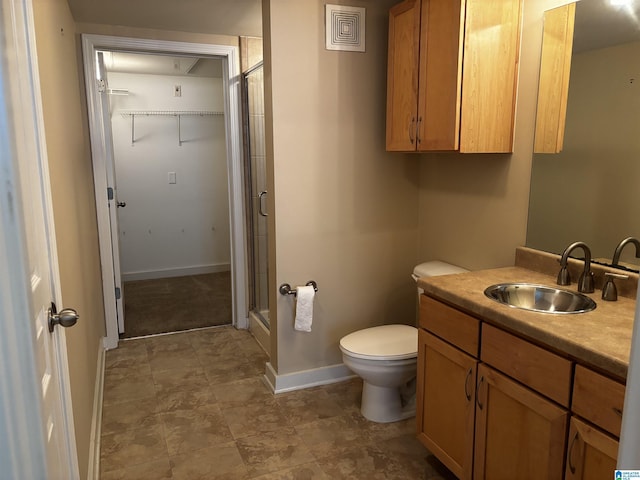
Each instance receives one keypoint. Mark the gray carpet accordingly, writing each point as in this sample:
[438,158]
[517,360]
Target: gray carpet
[175,304]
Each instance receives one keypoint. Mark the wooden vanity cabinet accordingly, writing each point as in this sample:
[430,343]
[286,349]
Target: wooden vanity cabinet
[452,75]
[593,446]
[446,403]
[519,433]
[448,343]
[591,454]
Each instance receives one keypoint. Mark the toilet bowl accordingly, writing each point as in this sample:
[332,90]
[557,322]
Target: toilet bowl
[385,357]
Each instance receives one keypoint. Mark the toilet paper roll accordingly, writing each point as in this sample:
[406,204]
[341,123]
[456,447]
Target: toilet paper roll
[304,308]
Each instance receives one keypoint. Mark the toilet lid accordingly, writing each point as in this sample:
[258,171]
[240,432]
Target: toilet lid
[388,342]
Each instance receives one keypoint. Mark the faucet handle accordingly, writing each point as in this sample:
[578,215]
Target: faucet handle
[609,290]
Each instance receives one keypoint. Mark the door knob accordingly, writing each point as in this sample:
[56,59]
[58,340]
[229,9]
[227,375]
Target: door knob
[121,204]
[67,317]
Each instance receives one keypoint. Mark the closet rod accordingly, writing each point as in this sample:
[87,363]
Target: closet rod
[166,113]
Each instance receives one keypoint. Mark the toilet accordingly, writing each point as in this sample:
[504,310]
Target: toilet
[385,357]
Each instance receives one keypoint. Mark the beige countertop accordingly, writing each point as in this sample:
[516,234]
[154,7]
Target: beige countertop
[600,339]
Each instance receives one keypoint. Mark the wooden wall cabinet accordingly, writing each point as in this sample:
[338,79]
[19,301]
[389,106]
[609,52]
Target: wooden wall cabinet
[452,75]
[553,88]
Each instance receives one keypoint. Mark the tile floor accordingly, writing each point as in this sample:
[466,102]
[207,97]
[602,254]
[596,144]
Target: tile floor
[193,406]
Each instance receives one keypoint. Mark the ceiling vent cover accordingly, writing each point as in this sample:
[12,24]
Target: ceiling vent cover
[345,28]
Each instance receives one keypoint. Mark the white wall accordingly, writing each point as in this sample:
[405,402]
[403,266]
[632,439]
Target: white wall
[171,229]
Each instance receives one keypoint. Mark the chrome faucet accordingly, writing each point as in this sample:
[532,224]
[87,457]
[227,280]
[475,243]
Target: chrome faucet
[585,282]
[621,245]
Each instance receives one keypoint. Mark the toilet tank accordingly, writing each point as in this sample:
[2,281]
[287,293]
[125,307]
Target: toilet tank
[433,269]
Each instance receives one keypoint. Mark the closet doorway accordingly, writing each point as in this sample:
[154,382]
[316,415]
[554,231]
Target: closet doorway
[168,132]
[166,146]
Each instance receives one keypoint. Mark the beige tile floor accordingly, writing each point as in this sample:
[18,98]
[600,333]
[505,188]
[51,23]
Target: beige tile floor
[193,406]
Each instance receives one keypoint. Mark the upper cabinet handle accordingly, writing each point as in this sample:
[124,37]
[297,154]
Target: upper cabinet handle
[418,139]
[411,127]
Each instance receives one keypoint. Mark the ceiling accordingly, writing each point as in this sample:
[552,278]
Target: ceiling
[223,17]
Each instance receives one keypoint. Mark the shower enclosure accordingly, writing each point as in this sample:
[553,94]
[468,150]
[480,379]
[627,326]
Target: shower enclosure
[256,192]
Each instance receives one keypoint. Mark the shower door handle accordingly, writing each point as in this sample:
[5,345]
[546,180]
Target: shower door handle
[260,210]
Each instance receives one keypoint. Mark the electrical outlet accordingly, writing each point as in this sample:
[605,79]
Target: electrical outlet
[177,91]
[172,177]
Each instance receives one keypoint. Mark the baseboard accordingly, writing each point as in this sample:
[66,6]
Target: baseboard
[175,272]
[306,378]
[96,422]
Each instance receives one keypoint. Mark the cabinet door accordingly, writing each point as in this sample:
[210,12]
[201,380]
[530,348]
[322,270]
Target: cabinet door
[592,454]
[519,433]
[441,43]
[553,87]
[445,401]
[402,76]
[490,75]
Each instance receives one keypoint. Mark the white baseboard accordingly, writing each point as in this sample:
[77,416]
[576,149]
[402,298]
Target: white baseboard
[306,378]
[96,422]
[175,272]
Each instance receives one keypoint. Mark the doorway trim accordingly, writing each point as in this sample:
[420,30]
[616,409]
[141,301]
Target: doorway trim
[231,77]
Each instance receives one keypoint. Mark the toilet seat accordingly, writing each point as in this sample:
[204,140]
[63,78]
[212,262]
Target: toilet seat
[387,342]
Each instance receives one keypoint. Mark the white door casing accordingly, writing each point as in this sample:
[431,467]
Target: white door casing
[231,77]
[37,438]
[112,198]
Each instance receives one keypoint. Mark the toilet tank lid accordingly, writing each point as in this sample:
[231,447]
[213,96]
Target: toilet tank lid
[392,342]
[435,268]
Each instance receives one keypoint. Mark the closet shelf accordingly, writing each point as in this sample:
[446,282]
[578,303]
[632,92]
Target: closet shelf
[166,113]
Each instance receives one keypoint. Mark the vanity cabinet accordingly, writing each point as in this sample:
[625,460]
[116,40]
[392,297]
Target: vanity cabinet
[519,433]
[452,75]
[491,404]
[446,400]
[592,454]
[593,446]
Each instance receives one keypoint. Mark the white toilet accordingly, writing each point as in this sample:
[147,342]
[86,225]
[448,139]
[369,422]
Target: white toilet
[385,358]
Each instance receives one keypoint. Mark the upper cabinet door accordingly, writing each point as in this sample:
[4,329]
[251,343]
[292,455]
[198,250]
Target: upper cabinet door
[490,75]
[402,76]
[555,67]
[465,65]
[442,38]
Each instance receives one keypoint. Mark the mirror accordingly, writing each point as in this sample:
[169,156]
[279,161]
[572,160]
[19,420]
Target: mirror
[590,190]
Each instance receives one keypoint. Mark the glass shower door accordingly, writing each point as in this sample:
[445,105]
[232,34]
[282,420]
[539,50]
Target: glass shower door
[257,191]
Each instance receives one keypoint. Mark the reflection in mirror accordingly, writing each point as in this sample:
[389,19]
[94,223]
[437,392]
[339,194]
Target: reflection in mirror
[590,190]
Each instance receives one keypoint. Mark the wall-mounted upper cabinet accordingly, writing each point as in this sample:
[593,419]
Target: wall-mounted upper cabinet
[553,89]
[452,75]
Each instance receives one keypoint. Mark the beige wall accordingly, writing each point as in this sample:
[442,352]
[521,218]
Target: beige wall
[473,208]
[73,206]
[345,210]
[152,34]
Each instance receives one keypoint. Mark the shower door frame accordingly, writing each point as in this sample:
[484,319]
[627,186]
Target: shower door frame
[251,227]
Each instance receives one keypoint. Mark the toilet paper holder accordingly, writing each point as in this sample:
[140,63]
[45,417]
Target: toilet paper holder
[285,288]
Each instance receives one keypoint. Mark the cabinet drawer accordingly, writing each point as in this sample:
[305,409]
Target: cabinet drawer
[598,399]
[452,325]
[536,367]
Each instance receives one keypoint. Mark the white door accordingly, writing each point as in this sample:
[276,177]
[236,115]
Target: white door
[112,191]
[36,426]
